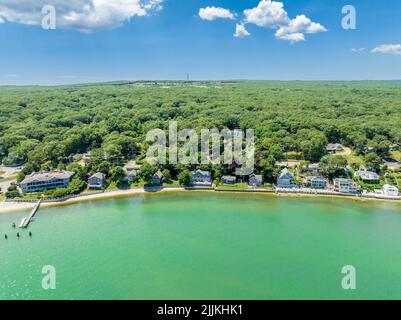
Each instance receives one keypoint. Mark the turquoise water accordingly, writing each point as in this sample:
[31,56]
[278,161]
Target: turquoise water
[205,246]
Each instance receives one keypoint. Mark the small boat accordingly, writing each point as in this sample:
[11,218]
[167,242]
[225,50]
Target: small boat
[5,237]
[13,224]
[30,233]
[18,234]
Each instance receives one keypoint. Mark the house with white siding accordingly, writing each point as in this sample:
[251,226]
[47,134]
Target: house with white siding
[39,181]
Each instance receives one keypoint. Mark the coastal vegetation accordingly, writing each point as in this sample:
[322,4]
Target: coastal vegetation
[44,127]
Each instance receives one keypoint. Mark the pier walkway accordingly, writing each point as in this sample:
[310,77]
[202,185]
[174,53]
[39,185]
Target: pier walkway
[27,220]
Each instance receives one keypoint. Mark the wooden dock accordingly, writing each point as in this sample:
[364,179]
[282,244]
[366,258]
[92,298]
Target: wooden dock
[27,220]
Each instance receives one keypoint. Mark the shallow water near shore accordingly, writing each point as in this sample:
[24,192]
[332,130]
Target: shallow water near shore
[205,246]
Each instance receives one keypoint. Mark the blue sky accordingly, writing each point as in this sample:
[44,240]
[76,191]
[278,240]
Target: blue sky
[174,40]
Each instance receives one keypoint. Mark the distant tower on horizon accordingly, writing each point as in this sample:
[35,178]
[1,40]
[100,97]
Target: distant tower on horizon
[187,77]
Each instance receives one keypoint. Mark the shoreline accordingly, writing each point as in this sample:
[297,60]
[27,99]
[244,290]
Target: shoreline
[9,207]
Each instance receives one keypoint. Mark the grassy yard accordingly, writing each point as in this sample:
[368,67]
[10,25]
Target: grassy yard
[173,183]
[9,179]
[396,155]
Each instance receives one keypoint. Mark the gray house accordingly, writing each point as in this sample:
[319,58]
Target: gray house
[97,181]
[40,181]
[334,148]
[229,179]
[201,179]
[255,180]
[286,180]
[157,178]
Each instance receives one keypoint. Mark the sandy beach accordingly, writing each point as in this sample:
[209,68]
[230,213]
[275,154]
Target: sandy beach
[6,207]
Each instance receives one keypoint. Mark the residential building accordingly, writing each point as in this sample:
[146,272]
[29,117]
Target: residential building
[286,180]
[40,181]
[255,180]
[390,191]
[334,148]
[201,178]
[345,185]
[229,179]
[315,182]
[367,176]
[97,181]
[131,176]
[157,178]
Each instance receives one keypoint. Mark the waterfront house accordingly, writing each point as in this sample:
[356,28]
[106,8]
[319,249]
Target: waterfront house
[345,185]
[131,176]
[97,181]
[390,191]
[367,176]
[39,181]
[255,180]
[201,178]
[157,178]
[315,182]
[286,180]
[229,179]
[312,168]
[334,148]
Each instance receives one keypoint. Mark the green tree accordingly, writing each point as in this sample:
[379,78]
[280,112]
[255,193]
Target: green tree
[185,178]
[373,161]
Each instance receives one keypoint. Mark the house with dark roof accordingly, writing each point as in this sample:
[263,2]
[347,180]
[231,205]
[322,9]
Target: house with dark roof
[255,180]
[201,179]
[229,179]
[97,181]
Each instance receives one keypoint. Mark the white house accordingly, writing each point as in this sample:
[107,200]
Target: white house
[367,176]
[345,185]
[390,191]
[97,181]
[315,182]
[201,178]
[40,181]
[286,180]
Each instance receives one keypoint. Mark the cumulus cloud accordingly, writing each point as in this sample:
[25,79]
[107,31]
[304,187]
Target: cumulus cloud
[394,49]
[213,13]
[240,31]
[297,27]
[271,14]
[267,14]
[80,15]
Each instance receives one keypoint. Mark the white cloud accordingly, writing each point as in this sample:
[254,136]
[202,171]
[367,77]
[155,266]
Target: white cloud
[267,14]
[297,27]
[80,15]
[356,50]
[388,49]
[271,14]
[213,13]
[293,37]
[240,31]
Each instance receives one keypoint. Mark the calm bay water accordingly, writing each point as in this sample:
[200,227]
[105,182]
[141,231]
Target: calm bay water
[205,246]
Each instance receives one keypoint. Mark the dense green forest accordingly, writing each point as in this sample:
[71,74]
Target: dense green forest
[44,126]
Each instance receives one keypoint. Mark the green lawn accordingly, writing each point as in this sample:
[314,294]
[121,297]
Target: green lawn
[173,183]
[396,155]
